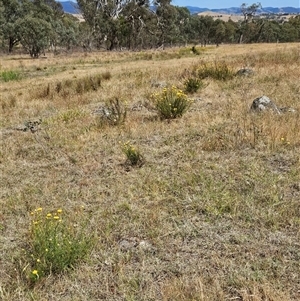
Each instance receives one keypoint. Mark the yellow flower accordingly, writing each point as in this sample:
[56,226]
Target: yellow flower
[56,217]
[59,210]
[38,260]
[39,209]
[35,272]
[49,215]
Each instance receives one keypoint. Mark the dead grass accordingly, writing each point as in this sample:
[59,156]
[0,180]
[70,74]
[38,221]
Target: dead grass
[212,214]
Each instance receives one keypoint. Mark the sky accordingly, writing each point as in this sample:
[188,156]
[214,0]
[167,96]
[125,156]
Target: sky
[235,3]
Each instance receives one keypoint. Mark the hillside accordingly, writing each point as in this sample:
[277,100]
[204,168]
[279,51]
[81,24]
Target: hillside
[71,7]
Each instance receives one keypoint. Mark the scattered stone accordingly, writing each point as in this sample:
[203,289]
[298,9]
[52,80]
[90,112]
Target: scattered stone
[264,103]
[138,106]
[245,72]
[133,243]
[128,244]
[158,84]
[21,128]
[287,110]
[145,246]
[31,125]
[296,186]
[197,99]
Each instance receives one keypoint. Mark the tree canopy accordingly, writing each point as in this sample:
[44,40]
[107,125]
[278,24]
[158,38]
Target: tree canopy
[42,25]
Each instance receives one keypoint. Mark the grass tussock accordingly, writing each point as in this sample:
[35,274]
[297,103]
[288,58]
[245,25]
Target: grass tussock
[10,75]
[70,87]
[54,244]
[207,206]
[218,70]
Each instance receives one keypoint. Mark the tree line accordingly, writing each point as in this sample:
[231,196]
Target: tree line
[42,25]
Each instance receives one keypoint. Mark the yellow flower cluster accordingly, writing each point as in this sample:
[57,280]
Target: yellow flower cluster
[37,212]
[171,102]
[172,92]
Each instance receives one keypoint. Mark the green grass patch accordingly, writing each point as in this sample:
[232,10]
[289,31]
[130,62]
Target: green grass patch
[10,75]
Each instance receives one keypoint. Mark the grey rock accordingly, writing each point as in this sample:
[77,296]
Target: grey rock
[128,244]
[158,84]
[264,103]
[145,245]
[245,72]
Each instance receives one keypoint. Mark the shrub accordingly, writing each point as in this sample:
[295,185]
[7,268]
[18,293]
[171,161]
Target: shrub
[55,244]
[171,103]
[133,155]
[192,85]
[216,70]
[195,50]
[106,75]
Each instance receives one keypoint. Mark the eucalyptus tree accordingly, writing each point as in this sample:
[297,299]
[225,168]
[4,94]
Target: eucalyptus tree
[166,16]
[106,18]
[2,22]
[288,33]
[231,31]
[248,11]
[11,12]
[219,31]
[270,32]
[295,22]
[69,34]
[37,28]
[184,23]
[34,34]
[204,29]
[134,26]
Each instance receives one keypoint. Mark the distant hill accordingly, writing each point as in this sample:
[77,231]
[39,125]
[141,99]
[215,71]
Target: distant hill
[237,10]
[72,8]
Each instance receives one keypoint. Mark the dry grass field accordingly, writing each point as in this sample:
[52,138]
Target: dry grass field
[223,17]
[237,18]
[213,213]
